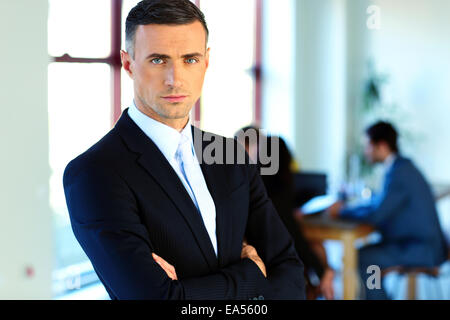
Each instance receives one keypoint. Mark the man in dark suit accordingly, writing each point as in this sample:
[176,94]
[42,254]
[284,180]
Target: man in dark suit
[404,213]
[157,220]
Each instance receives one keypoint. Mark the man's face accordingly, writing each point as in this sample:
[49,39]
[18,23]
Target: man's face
[168,69]
[371,151]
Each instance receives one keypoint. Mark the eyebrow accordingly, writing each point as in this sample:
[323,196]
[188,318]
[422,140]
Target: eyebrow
[165,56]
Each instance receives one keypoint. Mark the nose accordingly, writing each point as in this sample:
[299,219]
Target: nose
[173,76]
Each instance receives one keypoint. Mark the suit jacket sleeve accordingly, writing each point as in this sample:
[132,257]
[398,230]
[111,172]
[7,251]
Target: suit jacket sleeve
[106,222]
[267,233]
[392,198]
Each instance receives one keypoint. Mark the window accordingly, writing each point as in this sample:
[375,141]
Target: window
[87,91]
[231,92]
[81,110]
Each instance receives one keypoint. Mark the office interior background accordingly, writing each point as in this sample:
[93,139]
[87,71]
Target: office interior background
[300,69]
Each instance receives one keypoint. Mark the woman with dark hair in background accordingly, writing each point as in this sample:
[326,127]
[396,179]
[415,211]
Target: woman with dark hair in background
[280,188]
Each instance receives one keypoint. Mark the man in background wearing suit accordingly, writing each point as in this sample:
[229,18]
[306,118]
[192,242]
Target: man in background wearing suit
[155,221]
[404,213]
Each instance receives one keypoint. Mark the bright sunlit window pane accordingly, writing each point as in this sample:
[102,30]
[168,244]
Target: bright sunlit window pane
[228,95]
[81,28]
[79,109]
[127,83]
[227,106]
[127,90]
[127,5]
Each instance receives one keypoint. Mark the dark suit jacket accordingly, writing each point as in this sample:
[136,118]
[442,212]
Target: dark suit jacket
[125,201]
[405,214]
[281,190]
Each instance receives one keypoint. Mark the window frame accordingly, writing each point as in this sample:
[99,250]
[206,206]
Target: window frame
[113,60]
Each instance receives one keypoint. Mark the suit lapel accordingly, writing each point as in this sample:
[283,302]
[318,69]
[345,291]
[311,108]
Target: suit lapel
[216,181]
[157,166]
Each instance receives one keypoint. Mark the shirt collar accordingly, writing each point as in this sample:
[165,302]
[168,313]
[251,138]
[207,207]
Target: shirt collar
[389,161]
[165,137]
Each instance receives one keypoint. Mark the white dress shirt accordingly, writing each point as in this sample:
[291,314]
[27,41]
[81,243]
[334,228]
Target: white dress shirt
[167,140]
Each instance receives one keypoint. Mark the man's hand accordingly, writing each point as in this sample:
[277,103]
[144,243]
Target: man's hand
[298,215]
[334,210]
[167,267]
[326,284]
[249,251]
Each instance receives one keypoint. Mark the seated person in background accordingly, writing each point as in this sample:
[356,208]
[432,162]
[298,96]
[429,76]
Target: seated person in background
[404,213]
[280,188]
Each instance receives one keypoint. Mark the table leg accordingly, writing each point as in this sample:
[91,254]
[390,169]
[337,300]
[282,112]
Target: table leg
[349,267]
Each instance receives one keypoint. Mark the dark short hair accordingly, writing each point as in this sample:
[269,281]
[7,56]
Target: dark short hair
[170,12]
[242,134]
[383,131]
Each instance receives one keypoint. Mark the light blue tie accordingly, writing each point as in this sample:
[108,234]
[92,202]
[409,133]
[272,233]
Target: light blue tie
[200,193]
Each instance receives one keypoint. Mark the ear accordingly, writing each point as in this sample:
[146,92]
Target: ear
[207,58]
[127,62]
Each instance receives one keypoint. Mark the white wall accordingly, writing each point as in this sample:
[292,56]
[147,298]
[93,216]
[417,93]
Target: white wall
[413,47]
[358,54]
[304,91]
[25,228]
[278,110]
[332,48]
[321,87]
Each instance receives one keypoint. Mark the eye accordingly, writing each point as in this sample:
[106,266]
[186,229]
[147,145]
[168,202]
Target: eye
[157,61]
[191,60]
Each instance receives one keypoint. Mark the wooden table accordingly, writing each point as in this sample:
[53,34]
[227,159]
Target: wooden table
[321,227]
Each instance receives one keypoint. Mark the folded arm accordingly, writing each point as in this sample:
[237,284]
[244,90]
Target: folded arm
[267,233]
[105,220]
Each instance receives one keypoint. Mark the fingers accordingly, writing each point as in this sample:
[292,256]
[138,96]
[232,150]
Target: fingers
[326,284]
[167,267]
[260,265]
[250,252]
[298,215]
[329,294]
[333,211]
[326,292]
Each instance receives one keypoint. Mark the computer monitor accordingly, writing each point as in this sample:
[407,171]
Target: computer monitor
[309,185]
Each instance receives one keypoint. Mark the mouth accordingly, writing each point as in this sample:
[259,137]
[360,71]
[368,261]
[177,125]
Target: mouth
[175,98]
